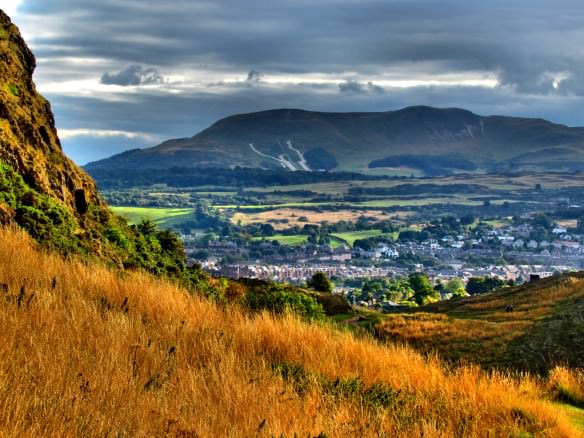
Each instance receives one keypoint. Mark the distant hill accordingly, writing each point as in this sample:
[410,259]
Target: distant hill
[545,329]
[443,140]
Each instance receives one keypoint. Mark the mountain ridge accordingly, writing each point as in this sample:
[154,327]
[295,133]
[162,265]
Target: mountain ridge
[281,138]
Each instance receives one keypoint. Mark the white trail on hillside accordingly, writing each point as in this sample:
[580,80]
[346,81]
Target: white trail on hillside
[283,162]
[301,160]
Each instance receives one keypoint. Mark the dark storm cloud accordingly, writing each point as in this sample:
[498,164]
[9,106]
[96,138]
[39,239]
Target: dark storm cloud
[254,76]
[532,47]
[522,39]
[354,86]
[133,75]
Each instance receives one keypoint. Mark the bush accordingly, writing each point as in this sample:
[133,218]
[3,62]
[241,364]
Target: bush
[320,282]
[280,299]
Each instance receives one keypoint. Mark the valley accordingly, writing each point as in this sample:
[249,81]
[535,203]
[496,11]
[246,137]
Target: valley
[461,223]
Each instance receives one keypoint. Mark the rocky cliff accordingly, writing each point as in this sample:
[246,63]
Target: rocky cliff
[28,138]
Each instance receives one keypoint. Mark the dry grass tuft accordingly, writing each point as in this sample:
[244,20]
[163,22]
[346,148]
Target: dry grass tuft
[89,352]
[568,385]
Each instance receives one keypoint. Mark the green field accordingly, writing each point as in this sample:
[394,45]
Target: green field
[351,236]
[165,217]
[378,203]
[295,239]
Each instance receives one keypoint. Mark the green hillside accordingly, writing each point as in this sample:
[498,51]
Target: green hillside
[545,328]
[434,141]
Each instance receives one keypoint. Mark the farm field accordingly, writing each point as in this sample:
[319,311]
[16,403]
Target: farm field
[379,203]
[295,239]
[287,217]
[351,236]
[165,217]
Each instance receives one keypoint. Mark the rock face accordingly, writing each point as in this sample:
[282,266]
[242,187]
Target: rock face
[28,138]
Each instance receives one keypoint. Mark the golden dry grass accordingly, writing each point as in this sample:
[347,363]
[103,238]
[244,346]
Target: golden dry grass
[109,354]
[312,217]
[568,384]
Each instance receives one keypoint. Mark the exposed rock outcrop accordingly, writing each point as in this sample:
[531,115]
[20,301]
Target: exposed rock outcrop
[28,138]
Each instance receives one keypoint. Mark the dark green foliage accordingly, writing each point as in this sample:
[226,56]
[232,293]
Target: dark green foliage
[143,246]
[467,219]
[279,299]
[320,159]
[43,218]
[320,282]
[479,285]
[433,165]
[424,293]
[413,235]
[238,177]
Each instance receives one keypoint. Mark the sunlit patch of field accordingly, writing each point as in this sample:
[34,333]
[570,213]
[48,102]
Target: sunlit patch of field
[295,239]
[567,223]
[301,217]
[161,216]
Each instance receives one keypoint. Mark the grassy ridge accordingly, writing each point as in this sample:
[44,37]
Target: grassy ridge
[546,326]
[90,352]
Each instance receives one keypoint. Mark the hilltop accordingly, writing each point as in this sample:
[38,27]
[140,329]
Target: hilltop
[435,141]
[545,328]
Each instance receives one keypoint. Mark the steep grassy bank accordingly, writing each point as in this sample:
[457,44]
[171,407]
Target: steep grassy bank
[86,351]
[546,327]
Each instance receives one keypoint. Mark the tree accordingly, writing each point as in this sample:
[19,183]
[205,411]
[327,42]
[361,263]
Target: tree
[467,219]
[542,220]
[479,285]
[455,286]
[424,293]
[320,282]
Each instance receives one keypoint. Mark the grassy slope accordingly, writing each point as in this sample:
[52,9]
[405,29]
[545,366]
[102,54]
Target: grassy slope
[162,216]
[545,328]
[351,236]
[98,353]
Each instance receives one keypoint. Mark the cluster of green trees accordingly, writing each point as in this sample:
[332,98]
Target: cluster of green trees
[415,289]
[238,177]
[479,285]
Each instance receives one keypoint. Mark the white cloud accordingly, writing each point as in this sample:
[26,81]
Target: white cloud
[104,133]
[10,6]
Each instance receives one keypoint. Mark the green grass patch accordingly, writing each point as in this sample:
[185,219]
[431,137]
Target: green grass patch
[295,239]
[576,415]
[351,236]
[12,89]
[165,217]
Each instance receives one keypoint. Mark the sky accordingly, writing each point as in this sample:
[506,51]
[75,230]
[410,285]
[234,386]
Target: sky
[125,74]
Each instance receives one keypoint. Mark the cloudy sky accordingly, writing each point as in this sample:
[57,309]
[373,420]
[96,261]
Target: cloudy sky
[122,74]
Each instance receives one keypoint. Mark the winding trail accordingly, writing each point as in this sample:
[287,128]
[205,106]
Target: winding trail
[301,160]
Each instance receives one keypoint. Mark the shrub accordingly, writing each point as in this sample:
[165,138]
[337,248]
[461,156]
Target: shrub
[280,299]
